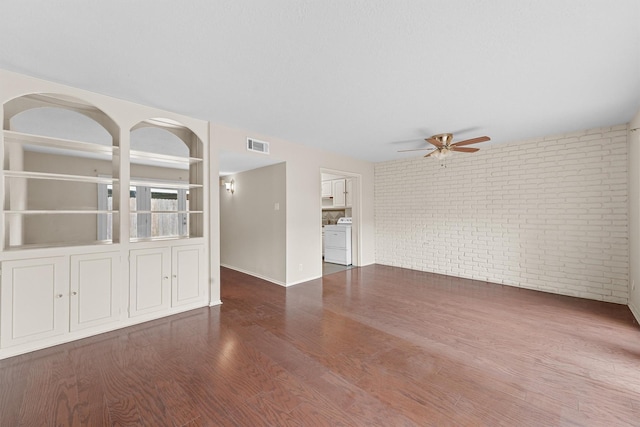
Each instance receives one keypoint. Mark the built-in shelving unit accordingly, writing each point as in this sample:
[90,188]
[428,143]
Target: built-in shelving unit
[167,207]
[48,194]
[103,222]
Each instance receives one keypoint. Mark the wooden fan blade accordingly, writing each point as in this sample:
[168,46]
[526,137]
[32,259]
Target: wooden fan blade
[434,141]
[471,141]
[464,149]
[434,151]
[416,149]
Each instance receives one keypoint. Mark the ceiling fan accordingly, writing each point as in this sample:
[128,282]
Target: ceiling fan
[444,147]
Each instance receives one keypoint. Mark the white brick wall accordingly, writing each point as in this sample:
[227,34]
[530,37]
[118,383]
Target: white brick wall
[548,214]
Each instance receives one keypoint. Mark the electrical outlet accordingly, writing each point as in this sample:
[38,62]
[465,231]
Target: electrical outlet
[276,206]
[299,267]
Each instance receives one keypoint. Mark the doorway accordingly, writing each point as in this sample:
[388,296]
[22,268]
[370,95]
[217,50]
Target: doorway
[340,195]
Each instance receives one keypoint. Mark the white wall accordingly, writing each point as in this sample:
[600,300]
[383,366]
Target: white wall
[548,214]
[304,223]
[634,216]
[252,231]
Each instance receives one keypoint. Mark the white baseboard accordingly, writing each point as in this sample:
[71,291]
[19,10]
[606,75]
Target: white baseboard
[304,280]
[251,273]
[635,311]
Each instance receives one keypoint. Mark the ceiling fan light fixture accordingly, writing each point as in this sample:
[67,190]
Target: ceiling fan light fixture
[443,153]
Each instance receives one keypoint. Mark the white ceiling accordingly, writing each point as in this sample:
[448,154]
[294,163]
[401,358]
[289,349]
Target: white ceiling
[364,78]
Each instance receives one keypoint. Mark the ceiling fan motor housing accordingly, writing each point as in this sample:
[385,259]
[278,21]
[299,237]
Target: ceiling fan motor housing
[443,138]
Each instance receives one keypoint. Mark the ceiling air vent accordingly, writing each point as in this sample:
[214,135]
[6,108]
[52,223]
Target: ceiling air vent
[257,146]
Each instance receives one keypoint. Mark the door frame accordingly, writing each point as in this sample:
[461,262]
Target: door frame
[356,213]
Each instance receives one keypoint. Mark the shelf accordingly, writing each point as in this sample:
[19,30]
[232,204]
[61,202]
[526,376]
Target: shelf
[165,212]
[164,158]
[161,184]
[51,211]
[60,177]
[67,144]
[59,245]
[162,238]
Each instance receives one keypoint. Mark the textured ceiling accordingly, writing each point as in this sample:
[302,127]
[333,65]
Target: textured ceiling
[364,78]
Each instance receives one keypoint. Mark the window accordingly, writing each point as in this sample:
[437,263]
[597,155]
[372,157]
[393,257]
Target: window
[156,212]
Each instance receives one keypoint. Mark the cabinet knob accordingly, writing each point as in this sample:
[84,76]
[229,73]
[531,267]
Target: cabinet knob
[59,295]
[175,275]
[74,293]
[166,277]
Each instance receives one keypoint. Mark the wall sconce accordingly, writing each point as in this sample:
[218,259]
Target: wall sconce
[230,186]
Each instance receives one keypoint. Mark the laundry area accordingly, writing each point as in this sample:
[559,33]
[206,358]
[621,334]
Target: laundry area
[337,204]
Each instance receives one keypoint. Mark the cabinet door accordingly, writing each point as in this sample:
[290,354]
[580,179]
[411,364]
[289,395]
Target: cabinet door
[338,193]
[348,199]
[187,275]
[95,290]
[327,189]
[149,285]
[34,300]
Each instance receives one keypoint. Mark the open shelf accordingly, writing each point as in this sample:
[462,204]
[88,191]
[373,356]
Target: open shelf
[164,212]
[59,245]
[173,185]
[59,212]
[60,177]
[49,142]
[164,158]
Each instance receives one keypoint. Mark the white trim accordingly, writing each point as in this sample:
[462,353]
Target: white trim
[304,280]
[250,273]
[635,311]
[103,219]
[356,212]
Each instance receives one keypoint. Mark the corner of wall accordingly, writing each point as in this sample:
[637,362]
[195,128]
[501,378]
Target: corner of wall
[634,216]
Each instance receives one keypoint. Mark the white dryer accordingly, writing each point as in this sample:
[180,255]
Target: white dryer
[337,242]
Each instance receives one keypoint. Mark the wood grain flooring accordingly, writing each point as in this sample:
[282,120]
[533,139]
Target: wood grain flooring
[372,346]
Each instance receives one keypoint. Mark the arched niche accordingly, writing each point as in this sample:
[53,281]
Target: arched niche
[166,162]
[150,139]
[59,123]
[53,104]
[167,133]
[60,153]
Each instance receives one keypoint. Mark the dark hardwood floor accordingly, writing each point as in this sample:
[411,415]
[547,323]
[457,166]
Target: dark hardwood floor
[373,346]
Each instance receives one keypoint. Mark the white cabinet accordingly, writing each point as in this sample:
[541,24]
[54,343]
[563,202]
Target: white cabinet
[339,191]
[95,290]
[327,189]
[339,198]
[34,300]
[188,284]
[348,193]
[161,278]
[101,214]
[43,298]
[149,285]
